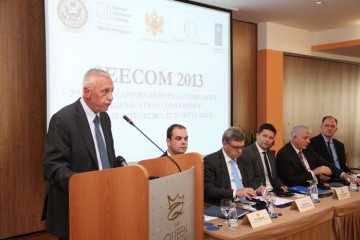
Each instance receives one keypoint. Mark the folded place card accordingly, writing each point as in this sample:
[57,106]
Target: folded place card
[257,219]
[303,204]
[341,193]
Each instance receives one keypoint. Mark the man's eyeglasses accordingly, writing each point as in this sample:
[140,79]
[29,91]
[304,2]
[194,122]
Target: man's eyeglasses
[235,147]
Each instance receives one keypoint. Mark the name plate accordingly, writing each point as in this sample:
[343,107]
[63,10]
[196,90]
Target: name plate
[257,219]
[303,204]
[341,193]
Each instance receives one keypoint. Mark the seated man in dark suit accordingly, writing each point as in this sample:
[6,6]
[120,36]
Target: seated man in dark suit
[257,162]
[176,140]
[328,147]
[297,162]
[222,179]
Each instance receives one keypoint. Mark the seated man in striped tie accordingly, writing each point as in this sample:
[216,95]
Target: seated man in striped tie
[257,162]
[327,147]
[222,178]
[297,162]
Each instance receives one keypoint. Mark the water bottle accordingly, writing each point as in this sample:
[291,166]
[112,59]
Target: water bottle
[314,192]
[233,218]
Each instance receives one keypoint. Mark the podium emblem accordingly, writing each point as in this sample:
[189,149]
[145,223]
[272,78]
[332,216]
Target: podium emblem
[176,206]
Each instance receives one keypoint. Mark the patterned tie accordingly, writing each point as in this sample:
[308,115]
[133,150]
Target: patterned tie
[236,176]
[301,156]
[101,145]
[307,166]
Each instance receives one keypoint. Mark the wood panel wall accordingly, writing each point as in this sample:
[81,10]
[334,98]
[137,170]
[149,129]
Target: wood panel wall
[23,108]
[244,75]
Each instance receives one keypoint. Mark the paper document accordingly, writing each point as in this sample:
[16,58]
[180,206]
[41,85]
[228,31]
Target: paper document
[282,202]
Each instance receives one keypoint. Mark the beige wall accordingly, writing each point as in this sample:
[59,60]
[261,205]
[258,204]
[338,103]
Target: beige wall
[314,88]
[298,41]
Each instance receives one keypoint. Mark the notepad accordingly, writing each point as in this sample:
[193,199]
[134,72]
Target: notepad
[282,202]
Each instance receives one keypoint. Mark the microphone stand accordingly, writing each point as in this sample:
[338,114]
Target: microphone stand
[132,123]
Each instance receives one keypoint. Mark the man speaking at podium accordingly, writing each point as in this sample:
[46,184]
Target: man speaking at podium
[79,139]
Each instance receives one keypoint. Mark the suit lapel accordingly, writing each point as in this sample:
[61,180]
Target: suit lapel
[324,148]
[271,156]
[224,169]
[308,157]
[107,135]
[258,159]
[337,147]
[295,156]
[84,128]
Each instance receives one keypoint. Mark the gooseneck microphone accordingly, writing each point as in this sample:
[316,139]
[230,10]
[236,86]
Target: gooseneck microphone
[132,123]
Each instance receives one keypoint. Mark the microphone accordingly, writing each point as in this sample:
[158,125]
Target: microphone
[132,123]
[129,121]
[120,161]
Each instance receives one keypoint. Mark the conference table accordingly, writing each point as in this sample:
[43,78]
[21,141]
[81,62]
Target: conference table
[330,219]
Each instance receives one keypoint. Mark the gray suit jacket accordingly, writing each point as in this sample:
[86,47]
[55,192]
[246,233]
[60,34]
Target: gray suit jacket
[69,149]
[253,171]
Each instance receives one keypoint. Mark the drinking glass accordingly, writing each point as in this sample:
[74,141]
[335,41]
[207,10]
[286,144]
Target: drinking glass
[353,184]
[266,192]
[270,200]
[273,201]
[225,207]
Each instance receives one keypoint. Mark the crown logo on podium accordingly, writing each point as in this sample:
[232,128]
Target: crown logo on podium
[176,206]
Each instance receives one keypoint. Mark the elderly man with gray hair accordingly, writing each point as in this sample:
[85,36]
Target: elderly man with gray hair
[297,162]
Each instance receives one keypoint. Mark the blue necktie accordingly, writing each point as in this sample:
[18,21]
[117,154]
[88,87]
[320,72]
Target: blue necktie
[236,176]
[101,145]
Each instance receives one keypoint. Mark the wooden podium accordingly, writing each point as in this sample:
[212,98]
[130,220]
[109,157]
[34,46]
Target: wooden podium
[114,203]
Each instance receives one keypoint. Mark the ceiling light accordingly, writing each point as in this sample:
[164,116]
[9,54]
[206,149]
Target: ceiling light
[318,2]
